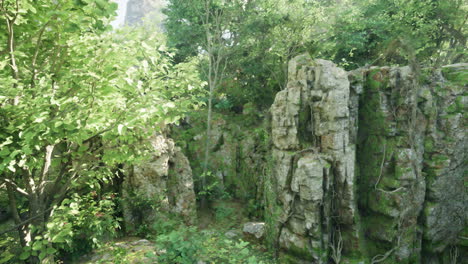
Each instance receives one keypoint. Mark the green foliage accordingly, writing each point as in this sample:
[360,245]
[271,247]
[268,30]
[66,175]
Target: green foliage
[223,212]
[77,100]
[181,245]
[187,245]
[119,255]
[259,38]
[89,220]
[77,226]
[9,248]
[222,250]
[265,34]
[366,31]
[139,205]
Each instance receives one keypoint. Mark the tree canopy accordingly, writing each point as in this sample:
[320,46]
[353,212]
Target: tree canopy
[262,35]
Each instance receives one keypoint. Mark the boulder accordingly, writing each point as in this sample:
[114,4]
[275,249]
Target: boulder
[254,229]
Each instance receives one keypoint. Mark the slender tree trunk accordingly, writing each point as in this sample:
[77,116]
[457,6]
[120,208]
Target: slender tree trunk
[203,200]
[215,45]
[16,216]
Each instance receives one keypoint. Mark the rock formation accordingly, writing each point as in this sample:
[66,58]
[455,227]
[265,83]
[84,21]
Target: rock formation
[237,153]
[164,183]
[368,166]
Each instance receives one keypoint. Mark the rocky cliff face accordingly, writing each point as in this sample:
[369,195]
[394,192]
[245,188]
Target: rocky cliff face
[162,184]
[238,146]
[369,166]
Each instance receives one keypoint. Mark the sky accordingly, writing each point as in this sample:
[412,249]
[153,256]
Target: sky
[120,19]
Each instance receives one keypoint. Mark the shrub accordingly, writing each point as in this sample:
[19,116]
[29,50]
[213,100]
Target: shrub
[77,226]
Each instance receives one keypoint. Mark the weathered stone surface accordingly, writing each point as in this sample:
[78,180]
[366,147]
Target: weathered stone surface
[446,145]
[412,157]
[232,234]
[314,157]
[181,195]
[256,229]
[237,155]
[390,160]
[164,182]
[370,163]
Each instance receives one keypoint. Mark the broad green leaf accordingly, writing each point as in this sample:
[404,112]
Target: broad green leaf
[25,255]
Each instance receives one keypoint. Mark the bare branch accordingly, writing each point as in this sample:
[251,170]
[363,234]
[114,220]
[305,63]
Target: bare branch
[15,186]
[47,161]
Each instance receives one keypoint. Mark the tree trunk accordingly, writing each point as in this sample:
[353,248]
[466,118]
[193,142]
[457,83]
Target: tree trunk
[16,216]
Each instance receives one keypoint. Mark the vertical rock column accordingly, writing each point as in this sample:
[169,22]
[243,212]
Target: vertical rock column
[390,155]
[444,101]
[412,159]
[314,158]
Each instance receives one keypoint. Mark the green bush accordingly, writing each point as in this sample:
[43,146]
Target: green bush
[187,245]
[223,213]
[181,245]
[77,226]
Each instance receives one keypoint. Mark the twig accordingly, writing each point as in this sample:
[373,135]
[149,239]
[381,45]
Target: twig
[381,165]
[27,221]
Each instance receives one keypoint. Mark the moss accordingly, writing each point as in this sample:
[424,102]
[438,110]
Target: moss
[272,209]
[388,183]
[400,171]
[455,75]
[296,255]
[438,161]
[374,147]
[452,108]
[383,203]
[304,253]
[431,246]
[288,259]
[354,260]
[380,231]
[370,101]
[425,76]
[457,106]
[464,233]
[429,144]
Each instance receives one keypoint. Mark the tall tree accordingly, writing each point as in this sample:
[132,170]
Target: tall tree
[213,22]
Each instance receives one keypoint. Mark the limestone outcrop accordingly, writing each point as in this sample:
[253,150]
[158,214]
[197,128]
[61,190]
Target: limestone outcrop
[369,166]
[314,152]
[161,184]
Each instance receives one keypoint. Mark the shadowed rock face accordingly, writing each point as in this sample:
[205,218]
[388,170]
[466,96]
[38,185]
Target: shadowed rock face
[369,164]
[165,181]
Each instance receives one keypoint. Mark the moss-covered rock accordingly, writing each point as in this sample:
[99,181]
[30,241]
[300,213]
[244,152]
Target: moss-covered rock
[408,132]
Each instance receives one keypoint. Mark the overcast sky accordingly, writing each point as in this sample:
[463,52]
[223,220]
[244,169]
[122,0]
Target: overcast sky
[120,19]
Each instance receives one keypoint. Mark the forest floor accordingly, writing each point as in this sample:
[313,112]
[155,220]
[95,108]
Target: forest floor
[217,238]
